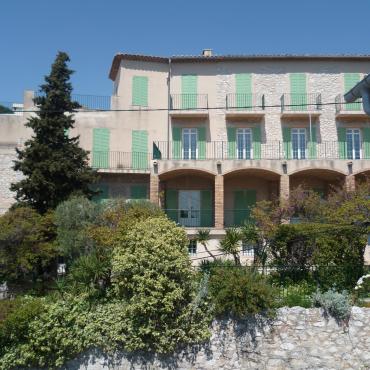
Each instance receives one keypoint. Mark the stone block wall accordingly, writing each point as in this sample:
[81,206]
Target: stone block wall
[297,338]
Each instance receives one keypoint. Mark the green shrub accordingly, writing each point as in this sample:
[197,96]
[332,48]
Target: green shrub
[27,248]
[239,292]
[334,303]
[54,336]
[298,294]
[16,316]
[151,271]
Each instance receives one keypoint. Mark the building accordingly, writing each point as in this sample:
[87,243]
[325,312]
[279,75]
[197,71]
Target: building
[208,136]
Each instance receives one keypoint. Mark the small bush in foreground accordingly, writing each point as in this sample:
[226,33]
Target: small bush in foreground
[335,304]
[239,292]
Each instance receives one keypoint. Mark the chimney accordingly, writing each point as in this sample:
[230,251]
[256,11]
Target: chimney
[207,52]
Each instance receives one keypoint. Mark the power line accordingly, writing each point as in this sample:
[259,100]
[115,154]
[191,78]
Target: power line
[262,107]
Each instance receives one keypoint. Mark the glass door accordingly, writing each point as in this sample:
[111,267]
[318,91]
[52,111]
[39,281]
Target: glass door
[189,143]
[189,208]
[244,143]
[353,138]
[299,144]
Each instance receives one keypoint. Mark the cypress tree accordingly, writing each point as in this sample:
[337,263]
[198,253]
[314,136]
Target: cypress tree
[53,163]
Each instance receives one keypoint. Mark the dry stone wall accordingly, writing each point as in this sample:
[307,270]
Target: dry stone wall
[297,338]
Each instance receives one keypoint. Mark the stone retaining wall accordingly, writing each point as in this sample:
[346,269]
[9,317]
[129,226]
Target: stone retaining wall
[297,339]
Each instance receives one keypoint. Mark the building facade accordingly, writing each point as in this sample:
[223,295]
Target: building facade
[205,137]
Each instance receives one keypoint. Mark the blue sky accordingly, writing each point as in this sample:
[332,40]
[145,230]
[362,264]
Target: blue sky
[93,31]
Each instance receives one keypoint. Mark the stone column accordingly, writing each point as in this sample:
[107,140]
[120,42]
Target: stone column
[350,182]
[284,187]
[154,188]
[219,202]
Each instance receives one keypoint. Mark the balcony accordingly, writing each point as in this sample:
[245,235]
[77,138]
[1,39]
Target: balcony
[189,105]
[130,162]
[245,105]
[352,110]
[300,105]
[191,218]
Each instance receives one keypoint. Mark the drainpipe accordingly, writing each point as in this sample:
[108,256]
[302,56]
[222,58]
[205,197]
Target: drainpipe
[361,89]
[169,106]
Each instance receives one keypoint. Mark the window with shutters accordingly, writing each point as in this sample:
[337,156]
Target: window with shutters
[189,143]
[353,138]
[299,143]
[244,143]
[140,91]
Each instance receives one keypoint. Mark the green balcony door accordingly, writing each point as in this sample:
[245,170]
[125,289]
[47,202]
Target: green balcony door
[350,80]
[189,91]
[244,200]
[139,154]
[298,91]
[100,152]
[243,87]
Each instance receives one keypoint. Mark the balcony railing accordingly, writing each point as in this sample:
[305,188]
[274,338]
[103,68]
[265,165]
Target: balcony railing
[341,106]
[223,150]
[245,102]
[94,102]
[300,102]
[191,217]
[188,101]
[120,160]
[237,217]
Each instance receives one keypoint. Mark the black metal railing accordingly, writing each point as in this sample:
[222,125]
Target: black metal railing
[94,102]
[223,150]
[341,106]
[300,102]
[245,102]
[120,160]
[188,101]
[191,217]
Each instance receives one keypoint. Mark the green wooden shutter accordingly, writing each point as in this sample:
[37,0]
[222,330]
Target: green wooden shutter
[157,154]
[287,140]
[298,91]
[172,204]
[366,142]
[312,144]
[244,200]
[201,142]
[342,143]
[100,150]
[138,192]
[231,142]
[176,142]
[350,80]
[189,91]
[250,200]
[139,154]
[206,215]
[243,85]
[140,91]
[103,194]
[256,136]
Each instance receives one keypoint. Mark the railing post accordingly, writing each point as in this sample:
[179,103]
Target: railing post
[263,102]
[282,103]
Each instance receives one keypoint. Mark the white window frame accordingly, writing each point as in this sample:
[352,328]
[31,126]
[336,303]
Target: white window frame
[243,131]
[192,247]
[353,141]
[248,249]
[189,130]
[298,131]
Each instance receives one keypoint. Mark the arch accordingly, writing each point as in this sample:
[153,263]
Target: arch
[186,171]
[258,171]
[363,171]
[317,170]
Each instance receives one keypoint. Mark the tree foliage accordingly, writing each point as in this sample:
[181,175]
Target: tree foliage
[53,164]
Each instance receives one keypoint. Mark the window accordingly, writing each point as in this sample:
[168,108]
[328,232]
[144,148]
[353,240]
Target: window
[189,143]
[299,143]
[140,91]
[353,139]
[244,143]
[247,250]
[192,247]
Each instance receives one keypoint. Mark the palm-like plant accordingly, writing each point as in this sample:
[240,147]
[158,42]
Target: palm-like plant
[230,244]
[203,238]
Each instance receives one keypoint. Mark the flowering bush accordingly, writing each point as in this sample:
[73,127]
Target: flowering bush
[362,287]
